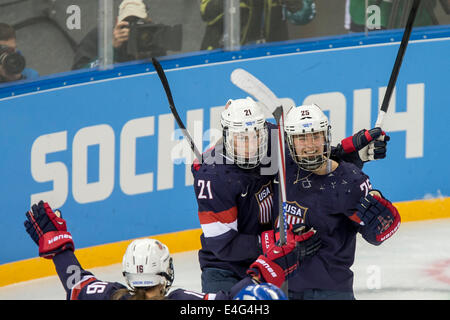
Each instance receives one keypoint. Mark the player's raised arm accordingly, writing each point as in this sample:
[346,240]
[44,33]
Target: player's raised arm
[362,147]
[49,231]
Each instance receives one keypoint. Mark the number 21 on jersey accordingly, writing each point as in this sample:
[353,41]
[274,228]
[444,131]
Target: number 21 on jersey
[205,189]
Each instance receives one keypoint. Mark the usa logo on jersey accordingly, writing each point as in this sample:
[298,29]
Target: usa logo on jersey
[295,213]
[264,197]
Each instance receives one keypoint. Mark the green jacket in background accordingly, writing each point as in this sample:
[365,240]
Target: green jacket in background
[357,13]
[260,20]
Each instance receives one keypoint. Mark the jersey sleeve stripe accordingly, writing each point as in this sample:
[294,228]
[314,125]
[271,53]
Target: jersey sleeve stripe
[226,216]
[76,289]
[216,228]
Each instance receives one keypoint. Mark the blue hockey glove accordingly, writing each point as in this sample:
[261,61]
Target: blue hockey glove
[377,216]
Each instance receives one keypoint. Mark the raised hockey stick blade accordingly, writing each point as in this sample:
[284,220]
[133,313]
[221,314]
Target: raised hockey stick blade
[398,63]
[253,86]
[162,76]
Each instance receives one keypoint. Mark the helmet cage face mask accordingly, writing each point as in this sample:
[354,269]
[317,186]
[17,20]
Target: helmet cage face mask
[245,134]
[147,263]
[246,148]
[308,136]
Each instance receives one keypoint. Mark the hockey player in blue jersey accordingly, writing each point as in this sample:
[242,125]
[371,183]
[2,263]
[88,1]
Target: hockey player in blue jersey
[336,199]
[234,200]
[147,264]
[236,195]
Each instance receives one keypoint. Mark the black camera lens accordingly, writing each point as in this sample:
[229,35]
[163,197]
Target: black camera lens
[12,62]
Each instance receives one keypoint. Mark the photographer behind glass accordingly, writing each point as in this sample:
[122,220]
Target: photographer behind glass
[12,63]
[135,37]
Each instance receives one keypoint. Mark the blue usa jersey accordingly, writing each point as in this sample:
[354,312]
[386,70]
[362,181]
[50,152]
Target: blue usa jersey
[234,206]
[81,284]
[324,202]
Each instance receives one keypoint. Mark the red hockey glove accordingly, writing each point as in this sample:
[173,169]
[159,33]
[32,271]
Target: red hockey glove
[378,217]
[278,262]
[48,230]
[307,242]
[363,146]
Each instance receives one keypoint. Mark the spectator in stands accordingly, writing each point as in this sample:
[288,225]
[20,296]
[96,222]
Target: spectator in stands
[86,55]
[261,20]
[12,63]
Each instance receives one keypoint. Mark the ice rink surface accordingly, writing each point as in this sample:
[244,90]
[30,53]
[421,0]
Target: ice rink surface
[413,265]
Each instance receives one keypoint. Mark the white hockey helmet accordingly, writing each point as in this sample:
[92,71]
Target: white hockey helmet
[308,123]
[147,263]
[245,133]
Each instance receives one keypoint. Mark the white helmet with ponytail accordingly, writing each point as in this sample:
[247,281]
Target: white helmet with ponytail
[147,263]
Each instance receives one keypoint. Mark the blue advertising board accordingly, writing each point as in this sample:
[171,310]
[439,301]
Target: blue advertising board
[109,154]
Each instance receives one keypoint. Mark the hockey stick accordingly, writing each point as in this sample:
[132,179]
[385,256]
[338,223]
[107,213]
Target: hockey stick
[250,84]
[279,118]
[165,83]
[398,63]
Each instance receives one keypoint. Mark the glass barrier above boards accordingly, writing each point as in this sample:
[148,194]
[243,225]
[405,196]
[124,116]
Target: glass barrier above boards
[266,21]
[46,37]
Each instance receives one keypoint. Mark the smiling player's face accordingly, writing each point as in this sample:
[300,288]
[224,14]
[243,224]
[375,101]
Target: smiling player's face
[309,144]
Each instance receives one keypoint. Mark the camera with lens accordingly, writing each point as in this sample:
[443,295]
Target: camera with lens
[11,61]
[147,39]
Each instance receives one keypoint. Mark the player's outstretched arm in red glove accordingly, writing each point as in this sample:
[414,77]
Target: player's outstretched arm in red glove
[362,147]
[48,230]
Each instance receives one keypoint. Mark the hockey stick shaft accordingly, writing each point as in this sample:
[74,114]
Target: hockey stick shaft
[253,86]
[398,63]
[162,76]
[279,118]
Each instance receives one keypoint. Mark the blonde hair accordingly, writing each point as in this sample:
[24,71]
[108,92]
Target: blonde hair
[140,293]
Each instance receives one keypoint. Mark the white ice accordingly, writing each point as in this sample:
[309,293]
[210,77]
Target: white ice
[413,265]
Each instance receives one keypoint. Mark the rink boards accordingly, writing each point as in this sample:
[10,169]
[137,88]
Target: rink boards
[107,151]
